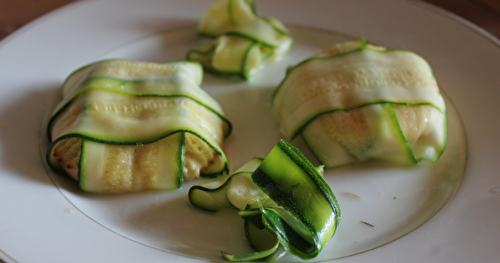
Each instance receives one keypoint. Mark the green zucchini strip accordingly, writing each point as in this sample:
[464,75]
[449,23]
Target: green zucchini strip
[213,199]
[120,119]
[285,197]
[178,79]
[124,69]
[351,80]
[222,16]
[258,237]
[243,42]
[170,153]
[389,142]
[155,88]
[356,79]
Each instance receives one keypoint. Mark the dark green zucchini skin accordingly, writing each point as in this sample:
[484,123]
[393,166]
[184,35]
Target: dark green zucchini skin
[303,217]
[302,195]
[216,197]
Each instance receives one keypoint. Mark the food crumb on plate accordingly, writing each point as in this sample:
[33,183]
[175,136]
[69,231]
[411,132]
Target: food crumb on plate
[351,195]
[366,223]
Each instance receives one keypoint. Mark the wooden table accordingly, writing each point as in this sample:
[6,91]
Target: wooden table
[16,13]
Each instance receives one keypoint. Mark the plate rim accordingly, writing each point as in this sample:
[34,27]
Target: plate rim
[467,24]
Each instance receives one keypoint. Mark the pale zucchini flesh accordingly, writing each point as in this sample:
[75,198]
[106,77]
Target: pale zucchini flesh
[222,16]
[152,166]
[128,70]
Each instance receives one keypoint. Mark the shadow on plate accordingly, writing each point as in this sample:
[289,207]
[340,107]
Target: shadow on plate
[22,131]
[189,231]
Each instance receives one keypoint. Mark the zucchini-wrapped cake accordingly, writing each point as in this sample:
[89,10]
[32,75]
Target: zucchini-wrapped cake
[242,41]
[128,126]
[356,102]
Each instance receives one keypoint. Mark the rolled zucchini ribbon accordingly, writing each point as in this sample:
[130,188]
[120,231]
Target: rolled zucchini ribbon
[242,41]
[134,123]
[356,102]
[284,201]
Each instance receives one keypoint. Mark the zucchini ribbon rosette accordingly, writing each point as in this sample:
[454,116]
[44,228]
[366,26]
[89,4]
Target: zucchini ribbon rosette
[284,201]
[128,126]
[356,102]
[242,42]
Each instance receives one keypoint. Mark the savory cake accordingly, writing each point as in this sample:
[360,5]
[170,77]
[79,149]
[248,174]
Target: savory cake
[356,102]
[128,126]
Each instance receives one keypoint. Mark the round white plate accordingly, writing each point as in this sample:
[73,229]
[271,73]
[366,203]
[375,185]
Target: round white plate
[45,218]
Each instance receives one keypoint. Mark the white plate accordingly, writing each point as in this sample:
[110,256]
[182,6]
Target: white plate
[43,223]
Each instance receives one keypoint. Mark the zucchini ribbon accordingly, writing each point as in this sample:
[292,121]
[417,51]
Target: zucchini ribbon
[284,201]
[242,41]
